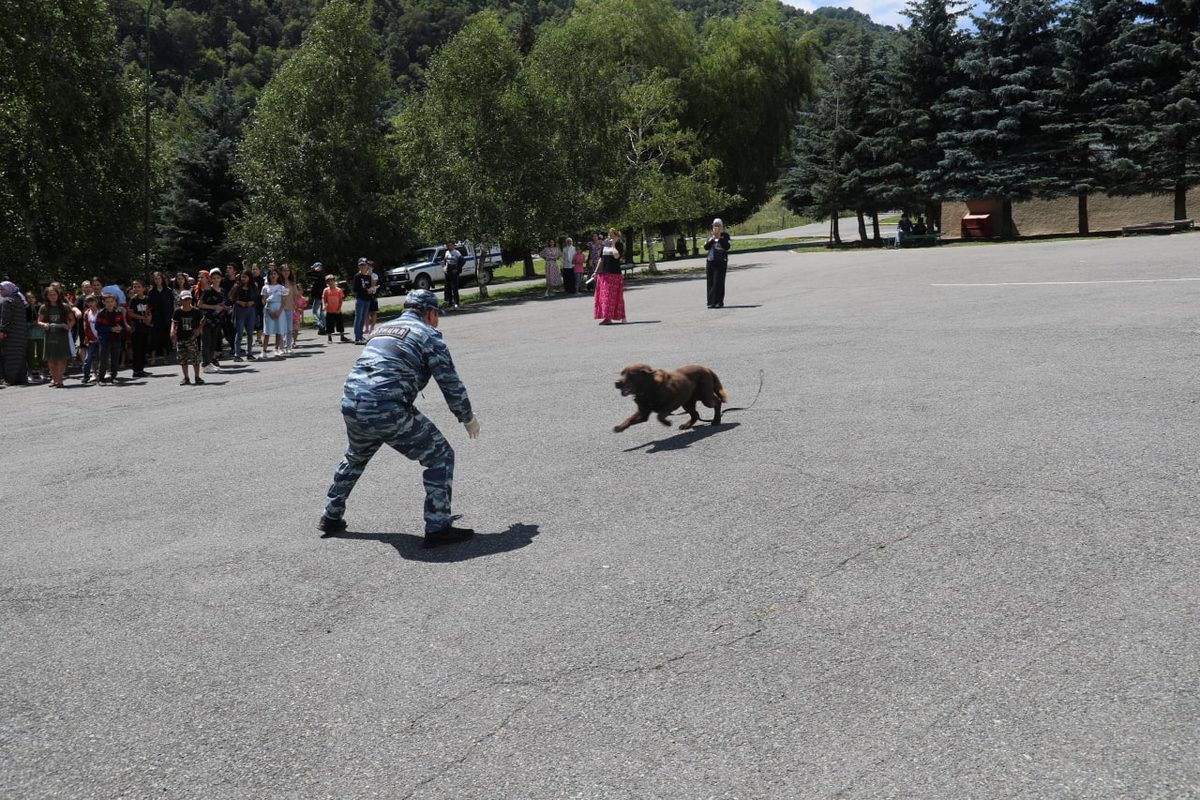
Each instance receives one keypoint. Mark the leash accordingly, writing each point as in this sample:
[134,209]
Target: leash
[761,380]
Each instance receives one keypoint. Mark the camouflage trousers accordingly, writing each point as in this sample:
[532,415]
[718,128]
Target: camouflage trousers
[409,432]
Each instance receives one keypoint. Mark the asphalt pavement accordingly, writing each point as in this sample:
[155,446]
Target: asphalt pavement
[943,546]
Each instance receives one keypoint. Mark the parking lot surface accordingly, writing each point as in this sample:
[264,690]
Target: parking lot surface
[943,546]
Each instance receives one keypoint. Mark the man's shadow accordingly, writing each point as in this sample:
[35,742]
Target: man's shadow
[685,438]
[412,547]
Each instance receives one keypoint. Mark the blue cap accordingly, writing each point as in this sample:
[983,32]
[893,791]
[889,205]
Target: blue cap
[421,300]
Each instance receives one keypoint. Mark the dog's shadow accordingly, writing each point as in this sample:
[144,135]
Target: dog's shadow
[684,439]
[412,547]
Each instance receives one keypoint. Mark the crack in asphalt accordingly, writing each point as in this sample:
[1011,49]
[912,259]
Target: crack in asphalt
[450,765]
[1094,496]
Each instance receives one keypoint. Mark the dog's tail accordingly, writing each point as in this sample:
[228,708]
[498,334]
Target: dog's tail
[721,393]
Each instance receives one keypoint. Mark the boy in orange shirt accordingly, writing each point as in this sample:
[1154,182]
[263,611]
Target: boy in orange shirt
[331,299]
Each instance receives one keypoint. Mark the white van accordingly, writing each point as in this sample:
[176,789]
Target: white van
[424,268]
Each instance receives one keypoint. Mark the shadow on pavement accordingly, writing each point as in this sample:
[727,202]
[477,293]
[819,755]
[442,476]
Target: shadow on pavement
[412,547]
[684,439]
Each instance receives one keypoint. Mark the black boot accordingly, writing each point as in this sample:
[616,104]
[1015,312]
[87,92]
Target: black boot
[330,527]
[448,535]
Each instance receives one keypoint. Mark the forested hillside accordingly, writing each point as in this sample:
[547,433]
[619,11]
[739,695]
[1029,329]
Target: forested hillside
[195,42]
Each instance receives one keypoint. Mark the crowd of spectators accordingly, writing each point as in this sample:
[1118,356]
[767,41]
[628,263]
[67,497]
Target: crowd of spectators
[102,328]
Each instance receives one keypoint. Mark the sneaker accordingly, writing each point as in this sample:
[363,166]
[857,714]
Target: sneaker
[199,381]
[185,382]
[344,339]
[279,354]
[238,359]
[85,380]
[211,368]
[360,341]
[448,535]
[252,357]
[330,527]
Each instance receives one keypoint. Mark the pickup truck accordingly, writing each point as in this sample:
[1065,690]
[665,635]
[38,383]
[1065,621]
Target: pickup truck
[424,268]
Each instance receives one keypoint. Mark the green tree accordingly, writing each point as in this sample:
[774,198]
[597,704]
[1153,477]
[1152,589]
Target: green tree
[742,94]
[997,144]
[311,156]
[204,196]
[70,166]
[1100,106]
[471,144]
[924,72]
[666,180]
[1168,147]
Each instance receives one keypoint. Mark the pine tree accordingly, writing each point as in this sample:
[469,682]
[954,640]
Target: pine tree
[925,71]
[1099,106]
[205,194]
[1168,148]
[997,145]
[818,183]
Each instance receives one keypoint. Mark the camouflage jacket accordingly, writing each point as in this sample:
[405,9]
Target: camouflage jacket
[397,362]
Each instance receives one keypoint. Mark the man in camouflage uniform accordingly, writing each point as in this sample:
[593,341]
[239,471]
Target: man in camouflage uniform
[377,407]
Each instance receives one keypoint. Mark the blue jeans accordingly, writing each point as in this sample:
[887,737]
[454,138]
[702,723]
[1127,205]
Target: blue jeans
[243,322]
[361,307]
[89,358]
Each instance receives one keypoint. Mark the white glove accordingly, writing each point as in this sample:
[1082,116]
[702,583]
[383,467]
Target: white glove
[472,426]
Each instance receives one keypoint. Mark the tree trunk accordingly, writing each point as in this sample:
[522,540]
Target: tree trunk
[649,247]
[933,216]
[875,229]
[529,273]
[1180,200]
[862,226]
[833,228]
[1083,212]
[1006,220]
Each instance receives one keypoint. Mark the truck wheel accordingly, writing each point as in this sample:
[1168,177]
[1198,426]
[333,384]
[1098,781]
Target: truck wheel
[484,277]
[423,282]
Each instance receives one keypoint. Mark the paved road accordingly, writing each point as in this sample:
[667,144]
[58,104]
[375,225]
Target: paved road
[945,547]
[847,229]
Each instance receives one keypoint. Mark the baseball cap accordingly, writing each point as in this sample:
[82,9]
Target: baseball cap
[362,261]
[185,296]
[317,265]
[421,300]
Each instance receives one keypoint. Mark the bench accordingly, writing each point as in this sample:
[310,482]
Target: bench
[628,267]
[1168,226]
[912,240]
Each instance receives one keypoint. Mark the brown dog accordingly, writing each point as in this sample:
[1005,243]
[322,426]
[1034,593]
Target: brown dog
[660,391]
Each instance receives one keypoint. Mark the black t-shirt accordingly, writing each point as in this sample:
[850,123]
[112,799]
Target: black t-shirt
[258,282]
[362,286]
[246,294]
[211,297]
[611,265]
[316,289]
[186,323]
[139,306]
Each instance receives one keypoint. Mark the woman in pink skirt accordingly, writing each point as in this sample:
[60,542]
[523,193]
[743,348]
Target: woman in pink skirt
[610,282]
